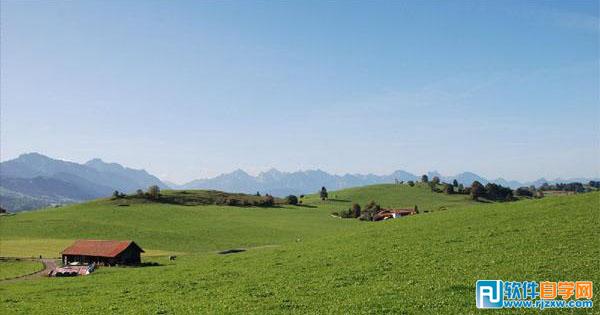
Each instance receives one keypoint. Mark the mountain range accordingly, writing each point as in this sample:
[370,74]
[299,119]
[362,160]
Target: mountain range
[280,183]
[34,181]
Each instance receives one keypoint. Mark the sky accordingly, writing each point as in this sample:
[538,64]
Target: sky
[190,90]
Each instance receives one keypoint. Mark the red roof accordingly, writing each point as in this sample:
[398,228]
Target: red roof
[99,248]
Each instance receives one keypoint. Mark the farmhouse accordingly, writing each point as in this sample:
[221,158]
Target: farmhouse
[385,214]
[103,252]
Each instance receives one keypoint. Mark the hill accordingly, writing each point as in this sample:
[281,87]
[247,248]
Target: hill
[300,259]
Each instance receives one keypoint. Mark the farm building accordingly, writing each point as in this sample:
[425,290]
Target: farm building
[103,252]
[385,214]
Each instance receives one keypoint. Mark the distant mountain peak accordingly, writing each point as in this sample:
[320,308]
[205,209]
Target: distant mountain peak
[33,156]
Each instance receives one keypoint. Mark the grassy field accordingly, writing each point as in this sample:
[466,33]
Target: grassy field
[302,260]
[14,268]
[395,196]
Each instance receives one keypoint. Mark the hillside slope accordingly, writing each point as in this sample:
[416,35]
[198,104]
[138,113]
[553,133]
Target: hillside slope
[424,262]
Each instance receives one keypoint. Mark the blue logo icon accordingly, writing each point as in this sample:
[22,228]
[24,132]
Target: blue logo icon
[489,293]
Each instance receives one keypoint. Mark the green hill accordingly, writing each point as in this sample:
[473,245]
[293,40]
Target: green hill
[394,196]
[303,260]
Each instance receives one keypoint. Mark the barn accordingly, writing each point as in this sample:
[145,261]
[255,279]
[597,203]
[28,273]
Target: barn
[102,252]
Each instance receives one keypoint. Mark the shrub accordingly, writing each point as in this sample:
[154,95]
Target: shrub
[347,214]
[269,201]
[424,179]
[498,192]
[369,211]
[448,189]
[435,180]
[355,210]
[411,183]
[291,199]
[523,192]
[233,202]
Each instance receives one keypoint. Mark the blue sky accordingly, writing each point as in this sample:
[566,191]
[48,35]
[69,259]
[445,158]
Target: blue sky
[192,89]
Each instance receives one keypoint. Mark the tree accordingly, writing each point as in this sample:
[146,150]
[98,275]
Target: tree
[291,199]
[448,189]
[424,178]
[416,209]
[477,190]
[369,211]
[523,192]
[323,193]
[432,186]
[498,192]
[435,180]
[139,193]
[455,183]
[257,194]
[153,192]
[115,194]
[269,200]
[355,210]
[411,183]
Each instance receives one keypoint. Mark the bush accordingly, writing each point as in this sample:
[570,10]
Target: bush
[448,189]
[498,193]
[523,192]
[291,199]
[424,179]
[233,202]
[370,210]
[355,210]
[269,201]
[411,183]
[347,214]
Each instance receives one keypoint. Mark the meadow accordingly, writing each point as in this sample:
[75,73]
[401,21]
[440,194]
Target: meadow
[11,268]
[302,260]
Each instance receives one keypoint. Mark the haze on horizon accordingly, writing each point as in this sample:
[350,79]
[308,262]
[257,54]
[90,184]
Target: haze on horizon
[190,90]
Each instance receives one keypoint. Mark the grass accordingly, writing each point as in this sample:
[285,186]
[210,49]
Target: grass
[14,268]
[394,196]
[421,264]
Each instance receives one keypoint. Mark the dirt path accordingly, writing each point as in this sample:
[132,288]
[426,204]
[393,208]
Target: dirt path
[49,264]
